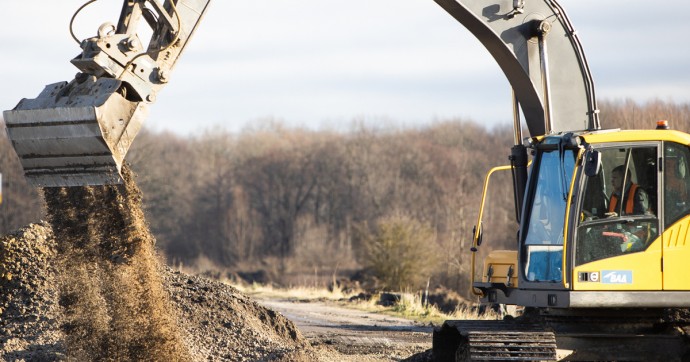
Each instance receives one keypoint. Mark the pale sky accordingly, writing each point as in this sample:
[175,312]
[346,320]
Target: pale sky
[324,63]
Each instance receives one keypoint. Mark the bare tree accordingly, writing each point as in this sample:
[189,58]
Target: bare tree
[279,185]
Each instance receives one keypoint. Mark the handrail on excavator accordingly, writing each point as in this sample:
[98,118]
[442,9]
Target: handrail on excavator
[477,231]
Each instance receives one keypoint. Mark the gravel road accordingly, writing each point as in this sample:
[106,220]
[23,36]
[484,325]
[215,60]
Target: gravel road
[353,335]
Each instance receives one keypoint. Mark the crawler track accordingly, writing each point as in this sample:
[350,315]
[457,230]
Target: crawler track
[493,341]
[510,345]
[573,335]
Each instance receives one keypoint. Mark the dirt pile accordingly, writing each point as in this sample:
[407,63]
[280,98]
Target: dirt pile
[222,322]
[29,317]
[95,291]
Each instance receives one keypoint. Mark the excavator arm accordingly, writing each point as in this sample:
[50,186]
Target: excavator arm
[77,133]
[540,54]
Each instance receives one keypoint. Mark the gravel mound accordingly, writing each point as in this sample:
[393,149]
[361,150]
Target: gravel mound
[223,324]
[88,286]
[217,322]
[29,318]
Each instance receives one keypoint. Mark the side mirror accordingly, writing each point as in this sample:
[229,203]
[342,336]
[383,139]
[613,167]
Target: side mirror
[592,163]
[477,238]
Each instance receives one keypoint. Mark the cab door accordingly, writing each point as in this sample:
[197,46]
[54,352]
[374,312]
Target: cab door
[676,207]
[617,243]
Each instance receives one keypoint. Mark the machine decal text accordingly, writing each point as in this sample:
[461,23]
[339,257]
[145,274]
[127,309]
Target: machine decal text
[616,277]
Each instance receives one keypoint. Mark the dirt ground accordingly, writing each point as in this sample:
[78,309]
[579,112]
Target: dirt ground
[216,322]
[88,286]
[355,335]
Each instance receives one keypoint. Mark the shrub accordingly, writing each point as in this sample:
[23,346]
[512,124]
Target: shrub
[400,252]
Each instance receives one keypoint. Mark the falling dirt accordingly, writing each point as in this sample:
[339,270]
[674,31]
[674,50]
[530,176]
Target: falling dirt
[111,292]
[88,286]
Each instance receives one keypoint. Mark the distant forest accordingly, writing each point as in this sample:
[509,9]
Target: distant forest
[301,205]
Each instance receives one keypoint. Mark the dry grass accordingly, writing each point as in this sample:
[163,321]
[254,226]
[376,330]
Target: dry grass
[410,305]
[294,293]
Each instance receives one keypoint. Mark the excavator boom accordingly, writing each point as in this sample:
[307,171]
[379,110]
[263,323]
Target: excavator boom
[77,133]
[540,54]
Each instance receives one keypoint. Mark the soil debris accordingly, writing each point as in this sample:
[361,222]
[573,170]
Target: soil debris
[114,305]
[222,322]
[88,286]
[29,317]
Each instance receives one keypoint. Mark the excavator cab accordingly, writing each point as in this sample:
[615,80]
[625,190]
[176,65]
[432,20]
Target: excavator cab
[600,261]
[604,233]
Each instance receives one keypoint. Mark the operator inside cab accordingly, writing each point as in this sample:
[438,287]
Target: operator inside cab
[631,200]
[618,208]
[634,201]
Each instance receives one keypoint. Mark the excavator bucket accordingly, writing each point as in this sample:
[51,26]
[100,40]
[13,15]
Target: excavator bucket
[78,133]
[75,134]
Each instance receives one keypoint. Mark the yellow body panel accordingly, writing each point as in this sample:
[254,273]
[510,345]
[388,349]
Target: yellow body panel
[637,135]
[503,265]
[677,256]
[635,271]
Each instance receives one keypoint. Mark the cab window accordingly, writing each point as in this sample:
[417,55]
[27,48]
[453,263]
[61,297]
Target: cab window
[619,205]
[676,182]
[543,239]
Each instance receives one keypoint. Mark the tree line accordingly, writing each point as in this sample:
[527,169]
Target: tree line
[298,201]
[302,204]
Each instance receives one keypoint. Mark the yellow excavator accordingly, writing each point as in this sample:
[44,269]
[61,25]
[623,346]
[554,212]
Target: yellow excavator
[602,215]
[600,258]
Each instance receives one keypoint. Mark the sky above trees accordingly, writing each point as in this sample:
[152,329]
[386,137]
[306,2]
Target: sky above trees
[321,64]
